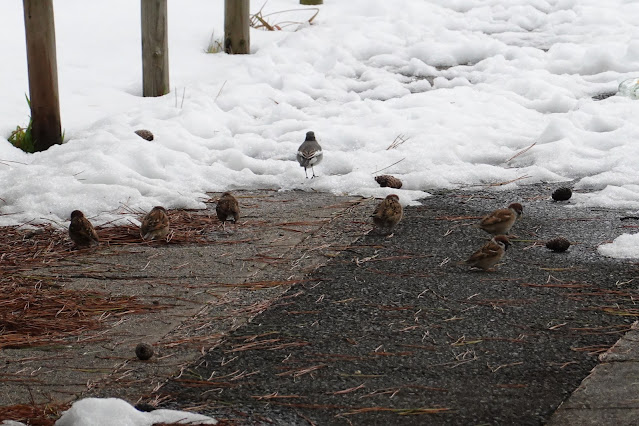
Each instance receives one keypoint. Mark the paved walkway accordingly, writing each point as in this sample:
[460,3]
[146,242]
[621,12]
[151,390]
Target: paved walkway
[200,291]
[610,394]
[204,292]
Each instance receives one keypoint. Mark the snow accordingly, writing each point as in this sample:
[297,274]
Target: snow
[468,83]
[624,246]
[116,412]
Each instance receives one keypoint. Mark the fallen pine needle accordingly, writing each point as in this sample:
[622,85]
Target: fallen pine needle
[349,390]
[400,411]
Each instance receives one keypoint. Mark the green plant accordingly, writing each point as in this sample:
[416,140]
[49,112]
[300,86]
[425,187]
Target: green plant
[22,137]
[216,45]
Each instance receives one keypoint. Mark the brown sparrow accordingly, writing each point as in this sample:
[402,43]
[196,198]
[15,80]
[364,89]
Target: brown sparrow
[388,213]
[155,225]
[500,221]
[309,153]
[227,208]
[487,257]
[81,231]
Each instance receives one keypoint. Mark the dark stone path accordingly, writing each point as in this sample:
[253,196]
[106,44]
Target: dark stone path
[393,331]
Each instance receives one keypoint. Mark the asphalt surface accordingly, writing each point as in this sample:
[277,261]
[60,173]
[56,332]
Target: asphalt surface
[393,331]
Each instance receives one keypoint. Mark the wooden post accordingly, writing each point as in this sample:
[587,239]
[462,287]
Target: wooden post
[311,2]
[155,48]
[236,26]
[42,64]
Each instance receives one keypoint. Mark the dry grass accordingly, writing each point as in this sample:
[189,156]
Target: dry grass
[399,139]
[34,415]
[24,249]
[39,310]
[276,21]
[36,312]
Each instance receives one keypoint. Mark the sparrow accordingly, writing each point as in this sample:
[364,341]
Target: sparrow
[155,225]
[227,208]
[388,180]
[388,213]
[500,221]
[309,153]
[81,231]
[487,257]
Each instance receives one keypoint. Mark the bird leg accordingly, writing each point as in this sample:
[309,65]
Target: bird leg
[305,172]
[313,171]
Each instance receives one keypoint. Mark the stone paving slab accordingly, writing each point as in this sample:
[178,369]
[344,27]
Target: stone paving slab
[200,291]
[610,394]
[604,416]
[203,292]
[610,385]
[393,331]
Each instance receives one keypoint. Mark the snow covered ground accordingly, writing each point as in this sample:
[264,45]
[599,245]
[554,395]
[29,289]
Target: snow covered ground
[116,412]
[469,83]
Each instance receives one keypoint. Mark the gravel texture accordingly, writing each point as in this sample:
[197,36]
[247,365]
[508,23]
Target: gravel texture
[393,331]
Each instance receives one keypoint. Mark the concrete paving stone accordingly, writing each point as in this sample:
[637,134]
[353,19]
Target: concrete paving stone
[395,324]
[610,385]
[605,416]
[200,292]
[626,349]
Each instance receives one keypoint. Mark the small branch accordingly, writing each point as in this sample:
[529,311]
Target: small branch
[521,152]
[509,181]
[220,91]
[399,139]
[387,167]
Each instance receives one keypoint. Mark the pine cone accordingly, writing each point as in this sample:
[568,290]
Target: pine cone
[144,134]
[562,194]
[144,351]
[388,181]
[558,244]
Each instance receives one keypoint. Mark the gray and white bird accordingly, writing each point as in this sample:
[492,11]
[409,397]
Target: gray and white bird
[309,153]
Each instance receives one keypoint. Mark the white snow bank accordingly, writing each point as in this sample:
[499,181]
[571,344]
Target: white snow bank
[469,84]
[116,412]
[625,246]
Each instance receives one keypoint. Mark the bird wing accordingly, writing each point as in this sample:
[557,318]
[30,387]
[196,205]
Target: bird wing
[380,210]
[496,217]
[235,209]
[489,250]
[83,229]
[308,157]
